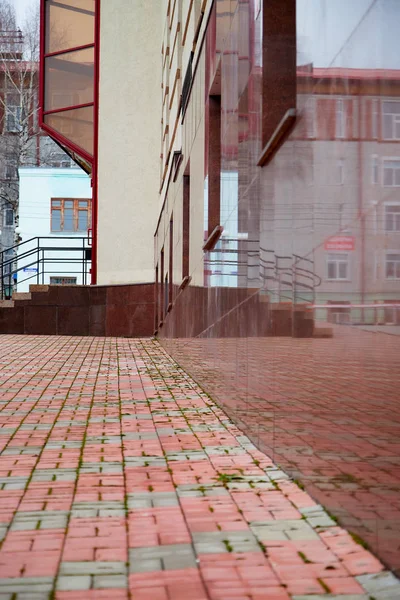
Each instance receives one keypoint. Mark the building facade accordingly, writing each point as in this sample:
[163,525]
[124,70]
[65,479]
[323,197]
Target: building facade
[244,157]
[55,206]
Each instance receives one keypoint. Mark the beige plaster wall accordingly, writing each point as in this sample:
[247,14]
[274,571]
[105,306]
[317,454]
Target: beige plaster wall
[129,139]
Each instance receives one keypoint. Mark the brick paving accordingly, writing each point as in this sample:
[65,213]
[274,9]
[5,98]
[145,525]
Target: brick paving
[121,479]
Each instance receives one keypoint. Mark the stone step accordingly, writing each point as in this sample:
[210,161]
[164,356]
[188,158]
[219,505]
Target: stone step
[323,332]
[35,287]
[6,303]
[21,296]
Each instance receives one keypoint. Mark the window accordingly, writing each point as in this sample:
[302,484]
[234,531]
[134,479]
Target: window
[340,119]
[340,171]
[310,117]
[391,120]
[70,215]
[374,118]
[171,263]
[8,217]
[391,173]
[13,114]
[11,171]
[392,217]
[392,269]
[186,225]
[62,280]
[338,266]
[60,160]
[375,170]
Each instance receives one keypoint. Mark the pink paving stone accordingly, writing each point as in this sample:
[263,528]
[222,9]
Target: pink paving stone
[335,557]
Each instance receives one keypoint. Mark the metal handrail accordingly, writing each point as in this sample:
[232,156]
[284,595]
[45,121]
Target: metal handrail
[36,256]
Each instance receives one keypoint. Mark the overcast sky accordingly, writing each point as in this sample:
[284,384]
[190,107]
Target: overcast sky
[21,7]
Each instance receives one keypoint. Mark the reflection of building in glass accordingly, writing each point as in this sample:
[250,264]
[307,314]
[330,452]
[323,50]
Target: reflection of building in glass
[245,156]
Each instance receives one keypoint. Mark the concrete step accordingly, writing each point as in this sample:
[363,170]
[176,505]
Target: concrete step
[323,332]
[21,296]
[34,287]
[6,303]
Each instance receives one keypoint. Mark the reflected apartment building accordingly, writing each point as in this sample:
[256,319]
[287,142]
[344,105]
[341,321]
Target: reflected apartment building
[245,161]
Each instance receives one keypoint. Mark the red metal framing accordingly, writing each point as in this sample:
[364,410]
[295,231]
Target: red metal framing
[65,108]
[74,49]
[92,159]
[95,138]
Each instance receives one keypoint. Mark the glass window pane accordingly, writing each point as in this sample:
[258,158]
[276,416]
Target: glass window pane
[342,270]
[389,222]
[388,177]
[69,23]
[391,107]
[56,220]
[56,202]
[82,220]
[76,125]
[83,203]
[387,127]
[331,270]
[69,79]
[389,269]
[69,204]
[68,219]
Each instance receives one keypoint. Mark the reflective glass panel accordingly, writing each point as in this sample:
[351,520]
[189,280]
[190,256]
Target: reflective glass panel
[76,125]
[69,79]
[70,23]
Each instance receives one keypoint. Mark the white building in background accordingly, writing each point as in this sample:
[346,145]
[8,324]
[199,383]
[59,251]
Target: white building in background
[54,216]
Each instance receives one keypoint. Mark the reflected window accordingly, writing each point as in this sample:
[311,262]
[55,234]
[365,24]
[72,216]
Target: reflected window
[340,171]
[70,215]
[13,114]
[392,217]
[340,118]
[391,120]
[310,117]
[62,280]
[375,118]
[392,268]
[391,173]
[338,266]
[375,170]
[8,217]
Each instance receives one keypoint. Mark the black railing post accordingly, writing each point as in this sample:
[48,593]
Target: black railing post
[37,263]
[42,266]
[2,275]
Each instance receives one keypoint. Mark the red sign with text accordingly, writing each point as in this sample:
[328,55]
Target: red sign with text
[340,242]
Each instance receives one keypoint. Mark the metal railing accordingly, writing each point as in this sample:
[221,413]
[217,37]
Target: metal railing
[35,259]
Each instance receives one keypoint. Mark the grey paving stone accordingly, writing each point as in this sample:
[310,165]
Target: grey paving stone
[134,461]
[146,435]
[224,450]
[284,529]
[332,597]
[382,586]
[39,520]
[55,475]
[152,499]
[32,596]
[93,568]
[191,490]
[25,584]
[224,541]
[74,582]
[161,558]
[110,581]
